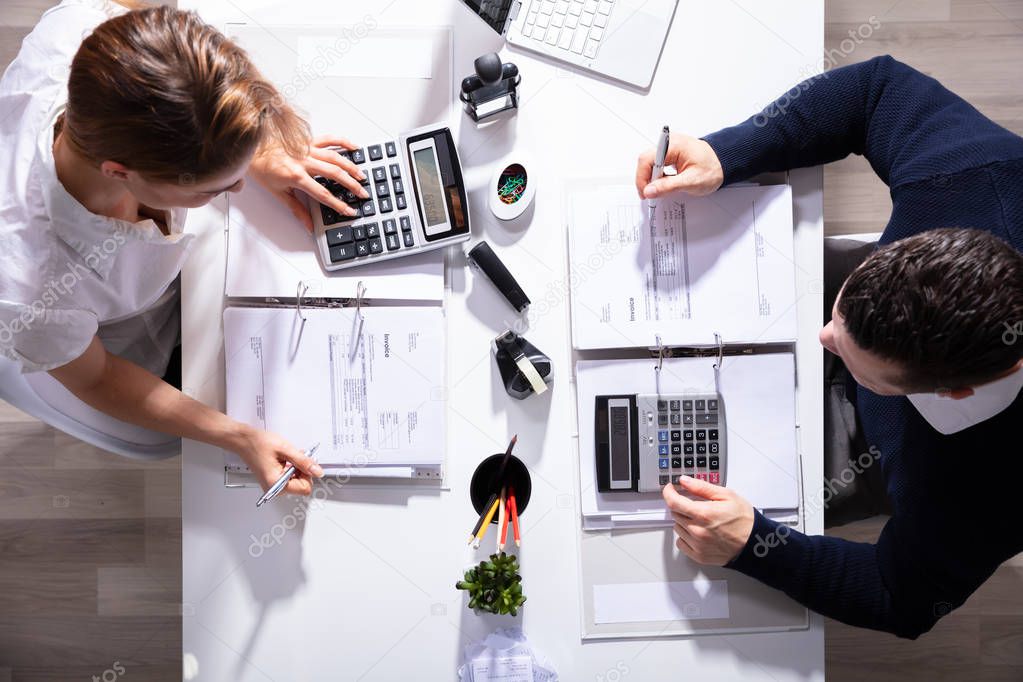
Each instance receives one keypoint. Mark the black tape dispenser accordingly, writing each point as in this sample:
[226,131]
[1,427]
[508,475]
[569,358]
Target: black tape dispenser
[524,369]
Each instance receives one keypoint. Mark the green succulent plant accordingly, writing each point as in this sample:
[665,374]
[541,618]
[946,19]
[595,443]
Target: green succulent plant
[494,586]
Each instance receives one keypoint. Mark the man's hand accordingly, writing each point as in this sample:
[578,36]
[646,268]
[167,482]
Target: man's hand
[268,454]
[283,175]
[713,528]
[697,169]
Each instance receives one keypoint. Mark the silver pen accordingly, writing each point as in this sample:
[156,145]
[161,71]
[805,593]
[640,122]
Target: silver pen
[288,474]
[660,154]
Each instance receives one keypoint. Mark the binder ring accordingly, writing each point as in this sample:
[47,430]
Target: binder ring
[299,294]
[721,351]
[660,353]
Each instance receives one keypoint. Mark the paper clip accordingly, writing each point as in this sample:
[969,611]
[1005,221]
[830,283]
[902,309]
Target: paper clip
[360,293]
[300,292]
[721,351]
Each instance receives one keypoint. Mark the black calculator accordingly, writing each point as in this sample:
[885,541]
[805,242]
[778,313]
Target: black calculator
[644,441]
[417,202]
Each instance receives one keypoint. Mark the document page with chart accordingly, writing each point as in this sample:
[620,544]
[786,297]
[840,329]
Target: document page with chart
[368,392]
[693,267]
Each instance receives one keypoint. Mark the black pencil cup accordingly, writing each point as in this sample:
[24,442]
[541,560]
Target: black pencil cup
[485,483]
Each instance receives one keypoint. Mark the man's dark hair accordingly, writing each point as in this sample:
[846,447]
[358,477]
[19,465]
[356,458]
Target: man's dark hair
[946,305]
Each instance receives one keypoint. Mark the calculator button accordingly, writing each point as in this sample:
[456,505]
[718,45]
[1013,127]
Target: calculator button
[662,420]
[385,205]
[701,435]
[395,171]
[715,463]
[687,405]
[339,235]
[390,227]
[713,434]
[368,209]
[399,186]
[709,418]
[390,149]
[379,174]
[714,477]
[712,405]
[406,224]
[688,462]
[687,448]
[676,448]
[714,448]
[700,477]
[662,463]
[687,434]
[342,253]
[662,404]
[359,232]
[407,237]
[676,436]
[662,436]
[358,156]
[663,480]
[701,405]
[662,450]
[701,462]
[687,419]
[676,419]
[375,153]
[400,202]
[383,190]
[361,248]
[375,246]
[674,405]
[392,242]
[701,448]
[676,462]
[330,216]
[372,230]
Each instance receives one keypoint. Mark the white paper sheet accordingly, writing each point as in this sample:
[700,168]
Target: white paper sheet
[377,407]
[660,601]
[758,392]
[721,263]
[269,252]
[367,58]
[503,669]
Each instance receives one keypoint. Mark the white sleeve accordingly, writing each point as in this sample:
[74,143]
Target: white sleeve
[41,338]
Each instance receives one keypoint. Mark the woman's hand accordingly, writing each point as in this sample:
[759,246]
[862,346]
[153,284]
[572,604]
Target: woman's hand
[697,169]
[283,175]
[267,455]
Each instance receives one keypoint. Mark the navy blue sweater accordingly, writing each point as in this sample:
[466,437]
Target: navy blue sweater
[954,498]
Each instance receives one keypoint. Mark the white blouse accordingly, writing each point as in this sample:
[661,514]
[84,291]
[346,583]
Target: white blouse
[68,274]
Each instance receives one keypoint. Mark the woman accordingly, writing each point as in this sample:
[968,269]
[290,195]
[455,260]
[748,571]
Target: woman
[113,122]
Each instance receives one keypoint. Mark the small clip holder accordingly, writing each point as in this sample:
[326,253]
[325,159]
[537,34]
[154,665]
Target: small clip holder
[524,369]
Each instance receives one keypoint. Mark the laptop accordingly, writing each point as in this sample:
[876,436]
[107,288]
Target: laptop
[618,39]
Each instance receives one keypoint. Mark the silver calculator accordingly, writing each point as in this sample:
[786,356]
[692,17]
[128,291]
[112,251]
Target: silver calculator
[417,202]
[644,441]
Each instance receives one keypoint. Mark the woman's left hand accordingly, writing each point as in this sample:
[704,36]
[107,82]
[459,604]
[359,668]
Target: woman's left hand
[283,176]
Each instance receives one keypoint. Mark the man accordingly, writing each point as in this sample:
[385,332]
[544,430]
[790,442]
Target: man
[930,327]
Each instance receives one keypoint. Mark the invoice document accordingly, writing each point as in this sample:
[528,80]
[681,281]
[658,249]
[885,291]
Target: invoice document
[368,391]
[693,267]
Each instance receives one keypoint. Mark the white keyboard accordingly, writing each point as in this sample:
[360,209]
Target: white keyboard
[575,26]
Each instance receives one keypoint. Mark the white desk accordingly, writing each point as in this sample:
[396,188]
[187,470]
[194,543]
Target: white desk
[363,588]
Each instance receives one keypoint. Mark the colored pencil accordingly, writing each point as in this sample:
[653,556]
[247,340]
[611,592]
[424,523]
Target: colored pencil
[499,478]
[514,513]
[504,522]
[486,524]
[479,521]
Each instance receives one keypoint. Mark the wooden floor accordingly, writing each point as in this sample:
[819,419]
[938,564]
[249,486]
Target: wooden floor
[90,544]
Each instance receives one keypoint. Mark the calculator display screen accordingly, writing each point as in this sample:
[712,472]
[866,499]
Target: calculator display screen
[619,442]
[432,194]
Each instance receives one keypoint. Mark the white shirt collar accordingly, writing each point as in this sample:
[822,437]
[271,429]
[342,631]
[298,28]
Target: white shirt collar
[94,237]
[949,416]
